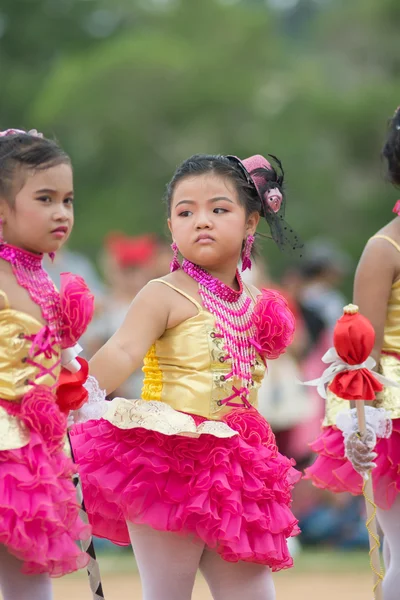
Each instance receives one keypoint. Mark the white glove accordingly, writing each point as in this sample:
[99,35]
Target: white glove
[95,406]
[359,449]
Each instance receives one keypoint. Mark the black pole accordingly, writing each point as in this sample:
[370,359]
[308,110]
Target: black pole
[93,568]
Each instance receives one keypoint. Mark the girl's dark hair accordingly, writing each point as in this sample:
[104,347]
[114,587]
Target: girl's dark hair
[391,149]
[252,188]
[200,164]
[23,151]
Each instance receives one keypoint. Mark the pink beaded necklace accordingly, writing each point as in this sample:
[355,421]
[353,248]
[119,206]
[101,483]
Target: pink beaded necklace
[233,319]
[29,273]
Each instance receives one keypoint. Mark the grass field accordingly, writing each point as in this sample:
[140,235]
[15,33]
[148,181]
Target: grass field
[324,575]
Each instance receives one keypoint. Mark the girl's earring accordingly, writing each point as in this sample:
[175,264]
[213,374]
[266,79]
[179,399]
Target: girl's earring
[174,266]
[246,253]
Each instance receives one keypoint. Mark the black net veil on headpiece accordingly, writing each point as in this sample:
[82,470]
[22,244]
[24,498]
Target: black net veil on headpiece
[264,179]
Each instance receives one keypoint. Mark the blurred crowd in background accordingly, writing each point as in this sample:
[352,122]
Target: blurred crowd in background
[312,287]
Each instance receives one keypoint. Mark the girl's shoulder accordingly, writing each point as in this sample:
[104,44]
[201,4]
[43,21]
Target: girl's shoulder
[181,295]
[179,282]
[386,240]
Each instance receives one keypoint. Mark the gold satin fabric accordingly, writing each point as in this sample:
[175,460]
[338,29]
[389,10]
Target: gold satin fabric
[14,350]
[15,372]
[185,369]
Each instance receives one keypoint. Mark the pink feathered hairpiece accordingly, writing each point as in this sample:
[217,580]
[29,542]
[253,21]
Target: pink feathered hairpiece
[267,180]
[273,197]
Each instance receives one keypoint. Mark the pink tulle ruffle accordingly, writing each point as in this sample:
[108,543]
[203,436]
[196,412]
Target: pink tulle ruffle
[39,521]
[77,304]
[274,324]
[234,494]
[334,472]
[40,413]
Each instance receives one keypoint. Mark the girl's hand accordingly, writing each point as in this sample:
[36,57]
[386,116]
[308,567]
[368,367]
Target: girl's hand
[360,450]
[144,323]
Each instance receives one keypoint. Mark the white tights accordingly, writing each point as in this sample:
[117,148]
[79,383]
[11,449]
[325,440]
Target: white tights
[389,520]
[15,585]
[168,564]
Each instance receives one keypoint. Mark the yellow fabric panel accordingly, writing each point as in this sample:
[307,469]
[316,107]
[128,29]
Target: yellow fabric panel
[153,380]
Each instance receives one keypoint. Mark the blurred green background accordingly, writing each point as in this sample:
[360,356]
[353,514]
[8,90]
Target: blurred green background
[130,88]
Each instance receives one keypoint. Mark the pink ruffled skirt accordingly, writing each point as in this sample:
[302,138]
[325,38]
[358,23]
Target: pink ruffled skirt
[333,471]
[233,494]
[39,522]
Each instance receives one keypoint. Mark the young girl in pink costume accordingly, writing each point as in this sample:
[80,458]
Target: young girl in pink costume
[191,474]
[39,523]
[377,293]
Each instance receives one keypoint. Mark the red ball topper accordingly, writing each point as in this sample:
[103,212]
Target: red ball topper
[354,339]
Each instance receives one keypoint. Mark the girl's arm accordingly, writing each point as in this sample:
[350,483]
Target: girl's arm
[123,354]
[374,277]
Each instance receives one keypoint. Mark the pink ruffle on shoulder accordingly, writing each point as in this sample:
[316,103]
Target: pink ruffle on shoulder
[275,324]
[77,304]
[234,494]
[333,471]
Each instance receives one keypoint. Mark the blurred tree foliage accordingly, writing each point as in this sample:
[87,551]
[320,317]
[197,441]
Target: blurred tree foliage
[133,87]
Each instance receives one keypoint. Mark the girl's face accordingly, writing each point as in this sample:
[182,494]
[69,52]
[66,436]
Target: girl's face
[42,217]
[207,222]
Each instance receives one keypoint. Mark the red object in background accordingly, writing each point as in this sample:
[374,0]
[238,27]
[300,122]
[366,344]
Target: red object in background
[354,339]
[70,393]
[131,251]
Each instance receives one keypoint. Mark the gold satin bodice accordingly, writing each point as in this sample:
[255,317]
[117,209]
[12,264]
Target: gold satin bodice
[185,368]
[389,366]
[15,373]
